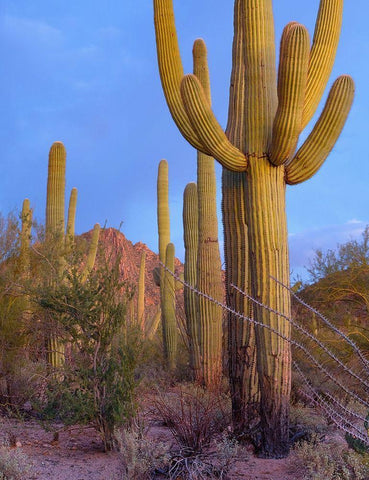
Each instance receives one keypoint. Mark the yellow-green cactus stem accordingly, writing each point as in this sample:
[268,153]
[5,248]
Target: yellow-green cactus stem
[191,237]
[164,240]
[92,252]
[56,191]
[292,76]
[26,219]
[141,294]
[54,231]
[209,267]
[69,238]
[153,326]
[168,310]
[249,145]
[163,209]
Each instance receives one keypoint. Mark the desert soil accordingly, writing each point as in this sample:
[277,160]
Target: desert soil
[78,455]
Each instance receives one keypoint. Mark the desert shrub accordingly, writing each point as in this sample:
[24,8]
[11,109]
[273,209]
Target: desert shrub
[319,460]
[193,415]
[141,455]
[96,383]
[14,465]
[213,464]
[305,422]
[22,385]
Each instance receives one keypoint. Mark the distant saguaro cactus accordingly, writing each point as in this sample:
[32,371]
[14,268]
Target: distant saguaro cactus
[69,237]
[191,241]
[26,219]
[257,151]
[141,294]
[55,199]
[169,311]
[167,286]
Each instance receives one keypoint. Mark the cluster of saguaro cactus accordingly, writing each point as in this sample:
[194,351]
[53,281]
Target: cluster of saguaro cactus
[166,254]
[257,152]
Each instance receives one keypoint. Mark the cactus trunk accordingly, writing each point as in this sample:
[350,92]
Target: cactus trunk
[268,257]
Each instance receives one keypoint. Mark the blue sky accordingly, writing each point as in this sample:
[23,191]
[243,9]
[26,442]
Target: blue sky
[85,73]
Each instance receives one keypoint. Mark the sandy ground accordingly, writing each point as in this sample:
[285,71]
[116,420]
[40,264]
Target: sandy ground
[78,455]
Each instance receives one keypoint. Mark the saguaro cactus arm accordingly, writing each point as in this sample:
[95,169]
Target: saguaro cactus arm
[171,69]
[323,52]
[324,135]
[207,126]
[292,76]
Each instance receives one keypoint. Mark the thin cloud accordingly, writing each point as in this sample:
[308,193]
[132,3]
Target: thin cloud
[27,29]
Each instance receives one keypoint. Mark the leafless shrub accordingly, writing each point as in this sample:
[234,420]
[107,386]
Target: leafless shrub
[193,415]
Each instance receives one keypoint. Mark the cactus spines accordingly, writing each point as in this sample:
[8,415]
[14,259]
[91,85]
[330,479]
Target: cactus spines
[252,145]
[168,310]
[26,219]
[191,237]
[71,217]
[56,191]
[141,294]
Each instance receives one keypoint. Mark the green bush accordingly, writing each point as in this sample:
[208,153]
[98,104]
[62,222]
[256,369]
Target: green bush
[96,383]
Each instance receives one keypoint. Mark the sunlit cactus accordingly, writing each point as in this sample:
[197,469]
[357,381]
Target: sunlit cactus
[167,285]
[257,150]
[209,267]
[141,294]
[26,219]
[55,192]
[92,252]
[69,236]
[169,323]
[54,231]
[191,241]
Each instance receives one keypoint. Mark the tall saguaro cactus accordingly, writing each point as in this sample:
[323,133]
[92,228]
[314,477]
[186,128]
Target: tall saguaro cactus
[191,241]
[167,287]
[55,230]
[209,269]
[26,219]
[257,151]
[69,238]
[168,310]
[141,294]
[56,191]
